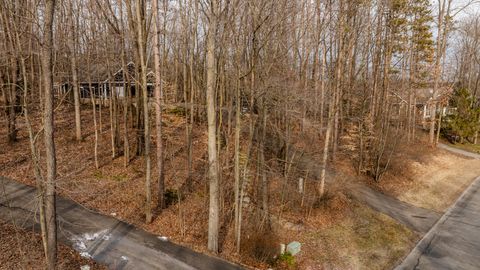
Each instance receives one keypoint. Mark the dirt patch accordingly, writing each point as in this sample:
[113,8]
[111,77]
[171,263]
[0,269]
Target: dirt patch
[21,249]
[440,181]
[426,177]
[402,168]
[361,239]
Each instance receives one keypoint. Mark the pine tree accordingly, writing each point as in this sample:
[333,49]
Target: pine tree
[464,122]
[422,45]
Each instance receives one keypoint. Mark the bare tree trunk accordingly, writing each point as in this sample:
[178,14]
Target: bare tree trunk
[238,123]
[100,104]
[50,188]
[443,14]
[126,97]
[94,111]
[73,64]
[439,125]
[11,104]
[414,118]
[333,108]
[475,138]
[36,165]
[192,95]
[263,167]
[112,109]
[158,104]
[213,221]
[141,37]
[10,95]
[321,185]
[322,85]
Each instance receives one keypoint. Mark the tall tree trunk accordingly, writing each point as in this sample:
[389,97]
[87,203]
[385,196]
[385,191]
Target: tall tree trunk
[443,14]
[50,188]
[322,85]
[73,66]
[321,183]
[10,95]
[94,110]
[141,37]
[263,167]
[126,96]
[332,123]
[158,104]
[192,96]
[213,221]
[238,209]
[36,166]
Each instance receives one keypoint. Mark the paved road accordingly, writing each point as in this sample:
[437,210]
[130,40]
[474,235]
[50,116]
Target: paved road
[459,151]
[454,241]
[105,239]
[414,217]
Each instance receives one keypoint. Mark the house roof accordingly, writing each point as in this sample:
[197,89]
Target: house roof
[119,75]
[424,94]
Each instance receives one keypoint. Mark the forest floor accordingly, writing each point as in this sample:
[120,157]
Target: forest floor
[434,182]
[21,249]
[338,233]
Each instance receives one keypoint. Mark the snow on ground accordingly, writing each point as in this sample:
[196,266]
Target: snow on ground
[81,243]
[163,238]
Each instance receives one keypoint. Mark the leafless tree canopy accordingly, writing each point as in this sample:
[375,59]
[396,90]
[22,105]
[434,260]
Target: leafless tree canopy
[354,77]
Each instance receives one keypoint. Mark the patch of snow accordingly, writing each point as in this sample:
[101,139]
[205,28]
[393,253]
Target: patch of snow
[107,237]
[85,267]
[93,236]
[163,238]
[125,258]
[85,255]
[90,237]
[79,245]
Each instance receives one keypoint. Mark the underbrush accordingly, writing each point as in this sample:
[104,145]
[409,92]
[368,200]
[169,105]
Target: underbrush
[360,239]
[260,243]
[117,189]
[403,166]
[22,249]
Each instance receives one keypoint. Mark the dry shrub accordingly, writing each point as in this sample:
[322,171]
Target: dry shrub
[324,201]
[401,170]
[260,243]
[332,200]
[339,202]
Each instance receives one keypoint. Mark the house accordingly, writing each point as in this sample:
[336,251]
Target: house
[122,84]
[425,102]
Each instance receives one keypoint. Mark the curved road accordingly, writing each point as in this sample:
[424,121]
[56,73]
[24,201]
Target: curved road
[454,241]
[105,239]
[459,151]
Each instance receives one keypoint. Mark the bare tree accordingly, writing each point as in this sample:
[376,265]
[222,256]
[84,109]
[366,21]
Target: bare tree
[444,8]
[158,103]
[50,185]
[72,42]
[214,214]
[142,39]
